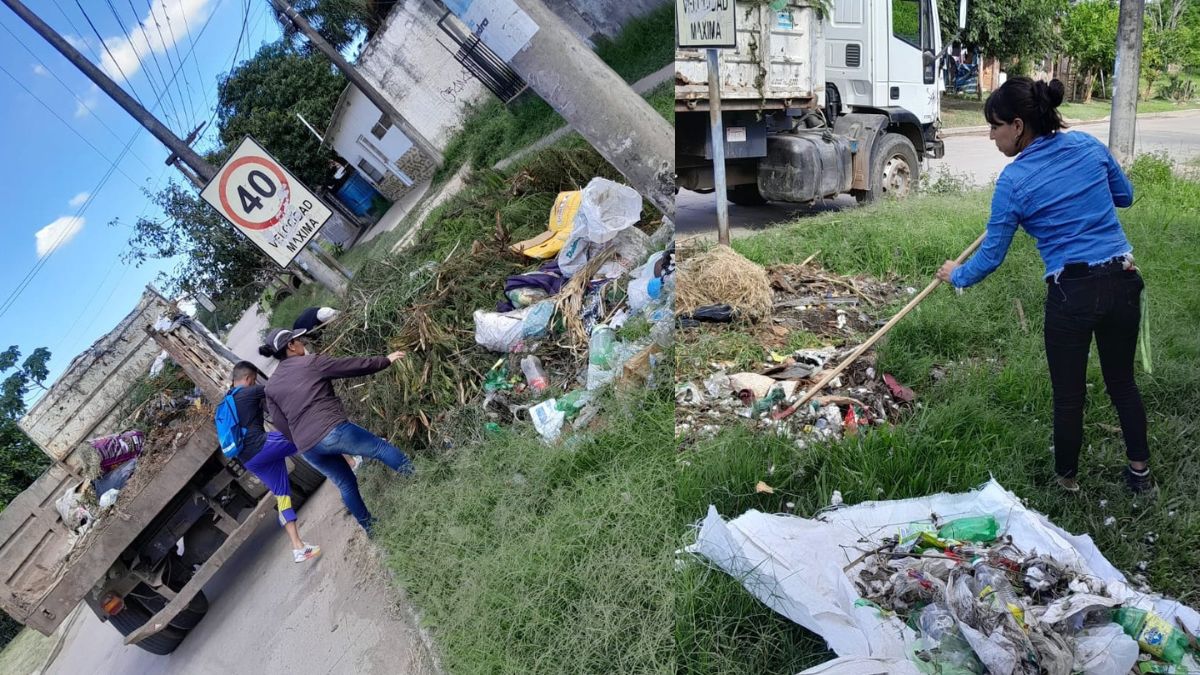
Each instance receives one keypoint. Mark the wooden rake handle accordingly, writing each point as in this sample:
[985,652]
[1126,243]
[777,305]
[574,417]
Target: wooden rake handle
[831,375]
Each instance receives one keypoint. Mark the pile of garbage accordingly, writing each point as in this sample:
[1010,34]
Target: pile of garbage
[996,588]
[978,601]
[600,309]
[805,299]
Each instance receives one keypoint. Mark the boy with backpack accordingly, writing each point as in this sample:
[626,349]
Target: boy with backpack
[239,420]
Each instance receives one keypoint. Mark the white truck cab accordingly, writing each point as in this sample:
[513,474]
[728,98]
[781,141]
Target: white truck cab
[816,102]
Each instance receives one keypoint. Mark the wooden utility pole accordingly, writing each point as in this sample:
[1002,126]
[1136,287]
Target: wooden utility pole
[1122,126]
[360,82]
[327,276]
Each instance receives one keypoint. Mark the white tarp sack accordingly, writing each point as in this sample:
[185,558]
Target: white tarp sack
[795,565]
[606,210]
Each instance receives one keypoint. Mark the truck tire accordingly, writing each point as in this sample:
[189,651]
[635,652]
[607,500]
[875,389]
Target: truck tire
[895,169]
[305,480]
[134,616]
[746,194]
[153,603]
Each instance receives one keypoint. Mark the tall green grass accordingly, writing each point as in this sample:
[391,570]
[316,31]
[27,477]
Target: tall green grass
[990,416]
[526,558]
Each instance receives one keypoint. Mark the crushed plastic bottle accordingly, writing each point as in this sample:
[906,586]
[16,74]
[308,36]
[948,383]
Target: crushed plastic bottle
[992,583]
[1154,634]
[600,347]
[531,366]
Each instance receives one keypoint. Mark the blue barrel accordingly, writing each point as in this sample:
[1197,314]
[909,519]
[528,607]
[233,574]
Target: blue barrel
[357,194]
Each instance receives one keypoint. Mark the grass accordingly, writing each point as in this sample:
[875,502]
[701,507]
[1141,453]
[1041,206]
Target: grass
[968,112]
[27,652]
[989,417]
[526,558]
[493,131]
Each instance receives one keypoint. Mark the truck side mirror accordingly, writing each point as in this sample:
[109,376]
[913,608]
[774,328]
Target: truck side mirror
[928,57]
[962,15]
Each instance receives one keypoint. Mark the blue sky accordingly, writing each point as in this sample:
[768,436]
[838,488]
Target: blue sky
[49,181]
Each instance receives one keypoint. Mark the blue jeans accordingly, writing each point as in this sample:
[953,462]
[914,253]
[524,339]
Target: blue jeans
[350,439]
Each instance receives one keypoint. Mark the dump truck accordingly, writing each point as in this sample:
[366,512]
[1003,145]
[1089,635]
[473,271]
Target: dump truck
[819,98]
[144,562]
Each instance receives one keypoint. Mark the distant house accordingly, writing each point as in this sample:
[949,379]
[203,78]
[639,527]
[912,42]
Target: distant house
[361,135]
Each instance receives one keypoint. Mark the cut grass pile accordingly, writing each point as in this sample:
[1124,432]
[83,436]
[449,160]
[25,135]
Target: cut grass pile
[990,415]
[493,131]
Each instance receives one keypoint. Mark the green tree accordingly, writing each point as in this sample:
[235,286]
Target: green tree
[21,461]
[262,97]
[1005,29]
[338,21]
[1171,39]
[213,258]
[1089,36]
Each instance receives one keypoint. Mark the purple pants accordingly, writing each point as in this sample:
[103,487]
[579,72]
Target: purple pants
[271,469]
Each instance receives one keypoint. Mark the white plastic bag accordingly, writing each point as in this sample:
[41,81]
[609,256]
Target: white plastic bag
[499,332]
[1105,650]
[548,419]
[537,321]
[630,245]
[607,209]
[640,291]
[74,515]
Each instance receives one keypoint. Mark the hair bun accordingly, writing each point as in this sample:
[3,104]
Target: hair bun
[266,350]
[1055,92]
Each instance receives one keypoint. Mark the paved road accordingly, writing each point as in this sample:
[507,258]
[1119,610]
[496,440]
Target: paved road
[974,157]
[336,614]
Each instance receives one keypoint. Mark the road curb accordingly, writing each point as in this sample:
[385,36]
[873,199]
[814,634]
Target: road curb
[972,131]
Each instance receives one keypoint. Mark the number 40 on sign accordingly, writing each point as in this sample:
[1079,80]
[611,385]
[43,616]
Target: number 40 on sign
[265,202]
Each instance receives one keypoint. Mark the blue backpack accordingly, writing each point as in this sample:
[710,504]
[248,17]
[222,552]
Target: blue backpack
[230,432]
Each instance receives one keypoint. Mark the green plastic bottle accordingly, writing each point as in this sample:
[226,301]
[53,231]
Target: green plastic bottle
[1154,634]
[978,529]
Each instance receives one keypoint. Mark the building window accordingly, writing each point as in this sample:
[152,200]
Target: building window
[373,173]
[381,127]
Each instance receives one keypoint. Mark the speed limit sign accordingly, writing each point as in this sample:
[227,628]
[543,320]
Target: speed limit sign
[266,202]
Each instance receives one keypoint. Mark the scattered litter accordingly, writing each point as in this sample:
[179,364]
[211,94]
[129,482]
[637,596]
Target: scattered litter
[606,208]
[1110,521]
[548,419]
[562,217]
[836,499]
[898,390]
[763,488]
[109,498]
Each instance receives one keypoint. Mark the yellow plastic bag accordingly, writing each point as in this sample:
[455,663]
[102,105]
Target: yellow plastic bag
[562,218]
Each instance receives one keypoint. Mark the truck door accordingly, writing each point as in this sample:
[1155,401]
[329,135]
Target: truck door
[912,44]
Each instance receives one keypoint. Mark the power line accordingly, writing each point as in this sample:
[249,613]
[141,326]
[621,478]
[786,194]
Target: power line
[66,86]
[162,41]
[195,61]
[232,61]
[78,33]
[149,79]
[187,88]
[110,54]
[68,124]
[150,48]
[41,262]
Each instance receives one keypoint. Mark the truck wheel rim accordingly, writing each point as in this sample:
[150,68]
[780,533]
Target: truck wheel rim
[897,176]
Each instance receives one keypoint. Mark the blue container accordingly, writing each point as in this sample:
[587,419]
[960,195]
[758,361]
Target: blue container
[357,194]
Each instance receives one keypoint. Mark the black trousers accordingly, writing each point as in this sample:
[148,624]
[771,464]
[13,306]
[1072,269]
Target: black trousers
[1105,302]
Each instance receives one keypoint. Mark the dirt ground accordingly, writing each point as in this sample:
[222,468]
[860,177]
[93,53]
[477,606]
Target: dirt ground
[337,614]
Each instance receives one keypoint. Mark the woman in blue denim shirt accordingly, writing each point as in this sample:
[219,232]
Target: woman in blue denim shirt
[1063,188]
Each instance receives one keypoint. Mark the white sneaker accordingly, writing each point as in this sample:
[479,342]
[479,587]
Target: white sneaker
[358,462]
[307,553]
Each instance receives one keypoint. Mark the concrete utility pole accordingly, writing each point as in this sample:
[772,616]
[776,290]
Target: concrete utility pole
[1122,126]
[204,172]
[359,81]
[593,99]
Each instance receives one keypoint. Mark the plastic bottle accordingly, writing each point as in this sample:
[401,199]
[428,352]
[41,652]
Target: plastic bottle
[600,348]
[976,529]
[1154,634]
[992,581]
[534,374]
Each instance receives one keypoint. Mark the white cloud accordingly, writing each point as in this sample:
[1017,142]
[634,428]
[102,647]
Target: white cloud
[79,199]
[76,42]
[173,18]
[57,234]
[40,70]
